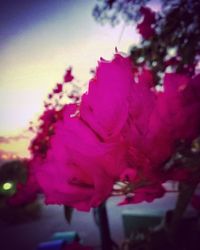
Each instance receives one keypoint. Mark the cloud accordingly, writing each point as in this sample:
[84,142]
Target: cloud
[9,139]
[4,139]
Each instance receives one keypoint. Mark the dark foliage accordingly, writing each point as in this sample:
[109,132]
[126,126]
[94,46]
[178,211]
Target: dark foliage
[175,44]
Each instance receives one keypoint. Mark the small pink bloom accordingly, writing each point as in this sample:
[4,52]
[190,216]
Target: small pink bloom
[68,77]
[50,96]
[148,14]
[74,96]
[145,30]
[145,27]
[58,89]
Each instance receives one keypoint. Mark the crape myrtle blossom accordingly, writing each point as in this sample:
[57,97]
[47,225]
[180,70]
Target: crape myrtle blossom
[122,129]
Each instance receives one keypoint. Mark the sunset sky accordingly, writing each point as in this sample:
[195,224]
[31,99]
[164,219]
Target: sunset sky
[38,41]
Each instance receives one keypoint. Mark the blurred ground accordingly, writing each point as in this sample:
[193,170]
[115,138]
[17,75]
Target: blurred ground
[50,219]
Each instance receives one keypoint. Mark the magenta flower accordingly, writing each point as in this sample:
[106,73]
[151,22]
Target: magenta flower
[68,77]
[105,107]
[123,129]
[78,170]
[58,89]
[87,151]
[156,124]
[178,104]
[145,27]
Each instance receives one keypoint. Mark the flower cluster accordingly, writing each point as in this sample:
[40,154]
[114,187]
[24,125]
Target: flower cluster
[122,129]
[53,112]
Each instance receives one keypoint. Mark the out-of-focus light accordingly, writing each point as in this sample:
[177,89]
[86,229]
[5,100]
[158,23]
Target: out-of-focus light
[172,51]
[14,156]
[7,186]
[4,157]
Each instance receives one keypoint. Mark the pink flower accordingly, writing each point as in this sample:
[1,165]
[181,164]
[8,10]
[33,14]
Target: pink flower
[78,164]
[86,153]
[50,96]
[148,14]
[58,89]
[123,129]
[178,105]
[68,77]
[146,78]
[136,129]
[145,27]
[129,174]
[79,170]
[165,119]
[105,106]
[157,122]
[40,144]
[74,96]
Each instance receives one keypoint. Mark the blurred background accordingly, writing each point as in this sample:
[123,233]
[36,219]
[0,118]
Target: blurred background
[38,41]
